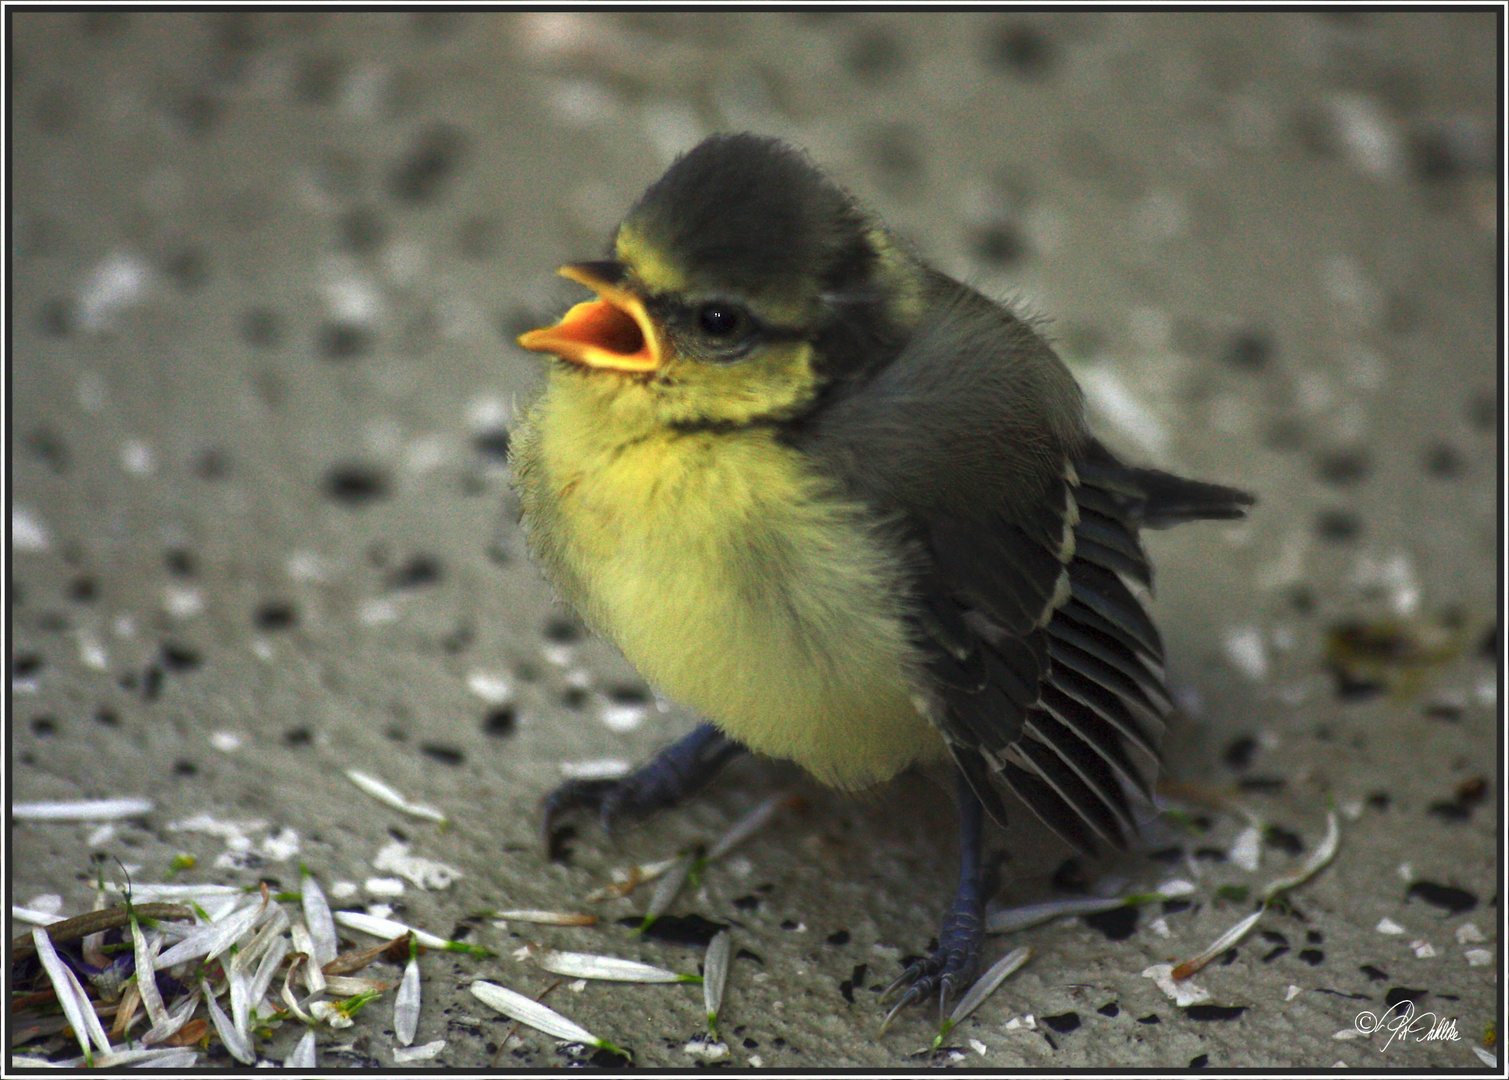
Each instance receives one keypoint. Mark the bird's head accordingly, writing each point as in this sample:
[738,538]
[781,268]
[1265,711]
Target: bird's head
[740,285]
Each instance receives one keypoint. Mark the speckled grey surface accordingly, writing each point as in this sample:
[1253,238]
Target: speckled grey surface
[267,272]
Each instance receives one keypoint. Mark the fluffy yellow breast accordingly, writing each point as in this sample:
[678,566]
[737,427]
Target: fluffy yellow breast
[731,577]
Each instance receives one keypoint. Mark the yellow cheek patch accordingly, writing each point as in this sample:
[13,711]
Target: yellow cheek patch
[654,271]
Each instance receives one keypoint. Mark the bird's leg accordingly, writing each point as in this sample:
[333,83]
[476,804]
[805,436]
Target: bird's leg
[664,780]
[949,967]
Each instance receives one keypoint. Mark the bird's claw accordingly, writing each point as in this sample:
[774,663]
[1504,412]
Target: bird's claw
[665,780]
[590,795]
[944,971]
[913,993]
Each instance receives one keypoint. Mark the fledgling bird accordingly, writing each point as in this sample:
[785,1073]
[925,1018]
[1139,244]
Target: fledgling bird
[848,509]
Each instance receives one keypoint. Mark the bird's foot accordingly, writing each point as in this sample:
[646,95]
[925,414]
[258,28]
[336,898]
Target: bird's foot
[615,802]
[664,780]
[948,969]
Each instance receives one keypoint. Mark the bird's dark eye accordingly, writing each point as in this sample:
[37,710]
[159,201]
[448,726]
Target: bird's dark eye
[722,320]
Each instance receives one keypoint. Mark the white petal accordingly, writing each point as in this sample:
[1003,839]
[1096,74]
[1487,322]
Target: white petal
[81,810]
[235,1042]
[669,886]
[405,1054]
[166,1057]
[576,965]
[152,891]
[528,1011]
[272,959]
[318,919]
[211,939]
[1317,859]
[70,994]
[1181,991]
[1235,934]
[146,975]
[747,826]
[382,792]
[1019,918]
[177,1018]
[406,1004]
[986,984]
[303,1056]
[388,928]
[715,975]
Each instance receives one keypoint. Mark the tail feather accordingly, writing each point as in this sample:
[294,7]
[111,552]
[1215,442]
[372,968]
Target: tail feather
[1154,499]
[1169,499]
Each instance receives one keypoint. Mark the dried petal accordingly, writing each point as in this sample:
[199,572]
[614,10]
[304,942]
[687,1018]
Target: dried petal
[125,1012]
[356,959]
[626,881]
[548,918]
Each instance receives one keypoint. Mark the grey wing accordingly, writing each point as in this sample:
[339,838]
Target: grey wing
[1043,666]
[1048,666]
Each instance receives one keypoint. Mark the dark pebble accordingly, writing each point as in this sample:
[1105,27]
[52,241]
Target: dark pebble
[1063,1023]
[1021,49]
[1214,1012]
[500,721]
[1337,526]
[1398,995]
[356,485]
[435,156]
[446,755]
[1284,840]
[1118,924]
[1453,900]
[1239,752]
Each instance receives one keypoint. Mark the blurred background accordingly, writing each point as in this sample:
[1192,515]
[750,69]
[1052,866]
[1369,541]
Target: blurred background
[267,269]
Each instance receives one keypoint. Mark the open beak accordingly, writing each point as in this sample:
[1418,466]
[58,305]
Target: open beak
[613,332]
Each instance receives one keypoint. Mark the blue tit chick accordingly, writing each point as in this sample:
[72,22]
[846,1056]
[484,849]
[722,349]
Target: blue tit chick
[848,509]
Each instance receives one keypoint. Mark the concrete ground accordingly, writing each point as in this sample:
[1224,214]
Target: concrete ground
[268,269]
